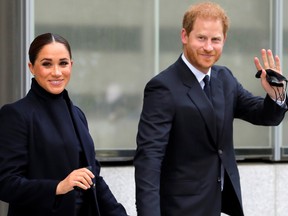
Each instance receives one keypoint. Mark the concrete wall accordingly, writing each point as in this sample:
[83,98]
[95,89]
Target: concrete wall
[264,188]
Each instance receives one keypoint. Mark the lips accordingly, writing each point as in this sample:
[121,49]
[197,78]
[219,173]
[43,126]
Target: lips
[56,82]
[207,55]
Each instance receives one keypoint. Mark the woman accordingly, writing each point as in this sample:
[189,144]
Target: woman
[47,158]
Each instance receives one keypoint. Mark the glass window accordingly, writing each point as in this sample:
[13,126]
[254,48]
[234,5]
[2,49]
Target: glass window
[285,72]
[248,34]
[112,46]
[114,51]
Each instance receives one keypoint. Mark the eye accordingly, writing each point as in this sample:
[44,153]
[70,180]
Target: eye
[64,63]
[46,64]
[216,40]
[201,38]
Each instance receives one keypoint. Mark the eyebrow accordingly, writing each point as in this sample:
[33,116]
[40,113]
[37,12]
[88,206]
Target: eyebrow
[49,59]
[45,59]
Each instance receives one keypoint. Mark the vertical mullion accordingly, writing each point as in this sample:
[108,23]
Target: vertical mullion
[156,36]
[277,46]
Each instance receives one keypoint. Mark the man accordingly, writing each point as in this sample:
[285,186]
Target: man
[185,163]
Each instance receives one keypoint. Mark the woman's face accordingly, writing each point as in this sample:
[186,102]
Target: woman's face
[52,67]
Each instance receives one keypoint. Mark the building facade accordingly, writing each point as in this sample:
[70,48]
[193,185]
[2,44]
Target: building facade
[118,46]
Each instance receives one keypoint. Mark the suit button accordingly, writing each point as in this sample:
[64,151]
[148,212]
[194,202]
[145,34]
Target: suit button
[220,151]
[219,179]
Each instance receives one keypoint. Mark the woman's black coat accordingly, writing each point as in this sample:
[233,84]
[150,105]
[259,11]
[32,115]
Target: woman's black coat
[38,150]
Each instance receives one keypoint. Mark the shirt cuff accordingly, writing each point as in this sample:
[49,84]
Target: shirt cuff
[281,102]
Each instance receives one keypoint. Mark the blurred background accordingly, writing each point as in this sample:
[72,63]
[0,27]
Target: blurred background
[118,45]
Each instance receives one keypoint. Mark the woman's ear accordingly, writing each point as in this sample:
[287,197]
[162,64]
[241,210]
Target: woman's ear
[31,68]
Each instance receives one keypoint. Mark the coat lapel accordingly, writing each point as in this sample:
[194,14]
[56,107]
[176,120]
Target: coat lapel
[83,134]
[199,98]
[205,108]
[213,115]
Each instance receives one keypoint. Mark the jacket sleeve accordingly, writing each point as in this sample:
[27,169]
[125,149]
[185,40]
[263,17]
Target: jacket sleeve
[15,187]
[257,110]
[152,139]
[107,203]
[246,106]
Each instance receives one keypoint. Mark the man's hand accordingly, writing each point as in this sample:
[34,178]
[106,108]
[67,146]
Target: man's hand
[270,62]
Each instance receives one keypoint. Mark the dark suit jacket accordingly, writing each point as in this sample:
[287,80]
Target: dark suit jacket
[182,140]
[37,150]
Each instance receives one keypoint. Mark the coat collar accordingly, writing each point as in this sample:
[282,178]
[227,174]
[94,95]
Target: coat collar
[42,93]
[60,104]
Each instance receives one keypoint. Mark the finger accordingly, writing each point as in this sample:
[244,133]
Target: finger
[88,178]
[257,64]
[265,59]
[278,64]
[89,172]
[79,184]
[85,179]
[86,170]
[271,59]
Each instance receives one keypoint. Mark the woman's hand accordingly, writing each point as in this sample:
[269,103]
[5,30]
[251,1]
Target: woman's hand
[273,63]
[81,178]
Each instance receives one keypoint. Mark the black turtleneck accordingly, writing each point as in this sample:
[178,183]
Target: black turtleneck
[64,101]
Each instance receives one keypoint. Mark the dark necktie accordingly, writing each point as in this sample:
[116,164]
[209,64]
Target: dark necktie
[207,89]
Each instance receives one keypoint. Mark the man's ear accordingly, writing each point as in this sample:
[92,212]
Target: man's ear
[184,36]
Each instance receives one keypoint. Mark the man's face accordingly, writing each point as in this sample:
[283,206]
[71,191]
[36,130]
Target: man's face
[204,45]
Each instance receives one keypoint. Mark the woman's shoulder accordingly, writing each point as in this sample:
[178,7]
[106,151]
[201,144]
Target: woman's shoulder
[20,104]
[20,109]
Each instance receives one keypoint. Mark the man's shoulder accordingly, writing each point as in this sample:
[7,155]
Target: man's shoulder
[172,71]
[220,68]
[221,71]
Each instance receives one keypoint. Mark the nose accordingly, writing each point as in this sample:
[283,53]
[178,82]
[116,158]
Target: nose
[57,71]
[208,46]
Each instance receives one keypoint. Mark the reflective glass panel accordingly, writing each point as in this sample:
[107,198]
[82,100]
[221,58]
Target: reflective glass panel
[113,50]
[285,66]
[248,34]
[115,53]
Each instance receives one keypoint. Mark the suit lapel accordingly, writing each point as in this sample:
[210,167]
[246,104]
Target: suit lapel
[213,115]
[205,108]
[199,98]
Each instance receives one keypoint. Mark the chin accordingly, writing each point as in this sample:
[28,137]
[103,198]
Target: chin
[58,91]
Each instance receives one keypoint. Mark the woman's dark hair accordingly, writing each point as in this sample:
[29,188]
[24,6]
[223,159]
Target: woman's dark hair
[41,40]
